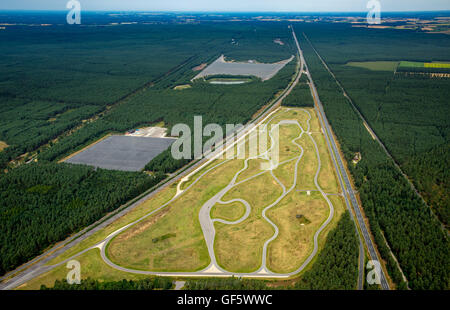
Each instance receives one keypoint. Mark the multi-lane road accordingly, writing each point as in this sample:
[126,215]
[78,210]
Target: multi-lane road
[343,176]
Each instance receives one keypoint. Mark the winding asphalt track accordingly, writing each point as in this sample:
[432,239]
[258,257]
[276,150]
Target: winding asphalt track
[39,268]
[207,224]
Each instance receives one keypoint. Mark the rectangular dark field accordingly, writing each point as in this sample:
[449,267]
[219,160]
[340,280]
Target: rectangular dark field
[122,153]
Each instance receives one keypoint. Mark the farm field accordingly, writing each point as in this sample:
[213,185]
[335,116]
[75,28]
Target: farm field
[375,65]
[424,64]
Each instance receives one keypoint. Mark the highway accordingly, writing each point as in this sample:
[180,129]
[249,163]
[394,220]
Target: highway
[338,161]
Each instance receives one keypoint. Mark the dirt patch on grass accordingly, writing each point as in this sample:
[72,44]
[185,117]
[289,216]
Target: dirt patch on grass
[200,67]
[144,226]
[181,87]
[3,145]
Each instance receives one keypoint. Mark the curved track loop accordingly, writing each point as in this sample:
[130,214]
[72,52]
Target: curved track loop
[207,223]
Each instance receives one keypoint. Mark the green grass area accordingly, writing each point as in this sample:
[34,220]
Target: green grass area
[195,176]
[238,248]
[141,210]
[229,212]
[232,240]
[375,65]
[92,266]
[411,64]
[187,251]
[294,242]
[424,67]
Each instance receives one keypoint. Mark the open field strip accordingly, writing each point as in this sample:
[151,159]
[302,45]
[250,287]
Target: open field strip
[3,145]
[135,247]
[230,211]
[92,267]
[375,65]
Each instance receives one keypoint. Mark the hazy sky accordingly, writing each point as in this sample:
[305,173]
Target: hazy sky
[228,5]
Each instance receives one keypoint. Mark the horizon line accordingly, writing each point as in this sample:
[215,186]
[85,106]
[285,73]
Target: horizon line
[225,11]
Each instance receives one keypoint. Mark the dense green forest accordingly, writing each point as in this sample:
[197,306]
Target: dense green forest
[393,209]
[409,113]
[50,83]
[336,267]
[58,78]
[219,104]
[156,283]
[41,204]
[340,43]
[431,174]
[300,95]
[423,70]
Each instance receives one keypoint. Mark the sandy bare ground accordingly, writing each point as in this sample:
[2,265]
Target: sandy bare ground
[251,68]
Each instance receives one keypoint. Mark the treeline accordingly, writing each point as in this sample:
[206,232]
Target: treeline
[431,174]
[408,112]
[300,96]
[156,283]
[412,232]
[41,204]
[423,69]
[102,70]
[394,106]
[225,284]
